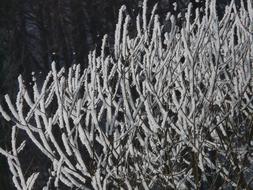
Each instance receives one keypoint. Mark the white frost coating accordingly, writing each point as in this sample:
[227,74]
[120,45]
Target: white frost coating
[84,140]
[21,146]
[118,32]
[144,19]
[103,47]
[31,180]
[138,26]
[58,166]
[156,112]
[125,35]
[57,90]
[11,107]
[11,167]
[66,144]
[4,114]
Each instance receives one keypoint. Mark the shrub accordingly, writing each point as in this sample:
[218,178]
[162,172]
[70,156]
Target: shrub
[166,110]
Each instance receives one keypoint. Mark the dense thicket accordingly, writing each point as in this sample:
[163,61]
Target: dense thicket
[31,31]
[34,33]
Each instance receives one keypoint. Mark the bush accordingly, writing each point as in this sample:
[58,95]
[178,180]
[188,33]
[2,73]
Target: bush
[170,108]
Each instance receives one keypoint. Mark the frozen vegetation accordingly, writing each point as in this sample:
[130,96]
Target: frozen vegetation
[165,108]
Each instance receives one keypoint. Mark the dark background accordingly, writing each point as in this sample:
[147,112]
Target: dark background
[33,33]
